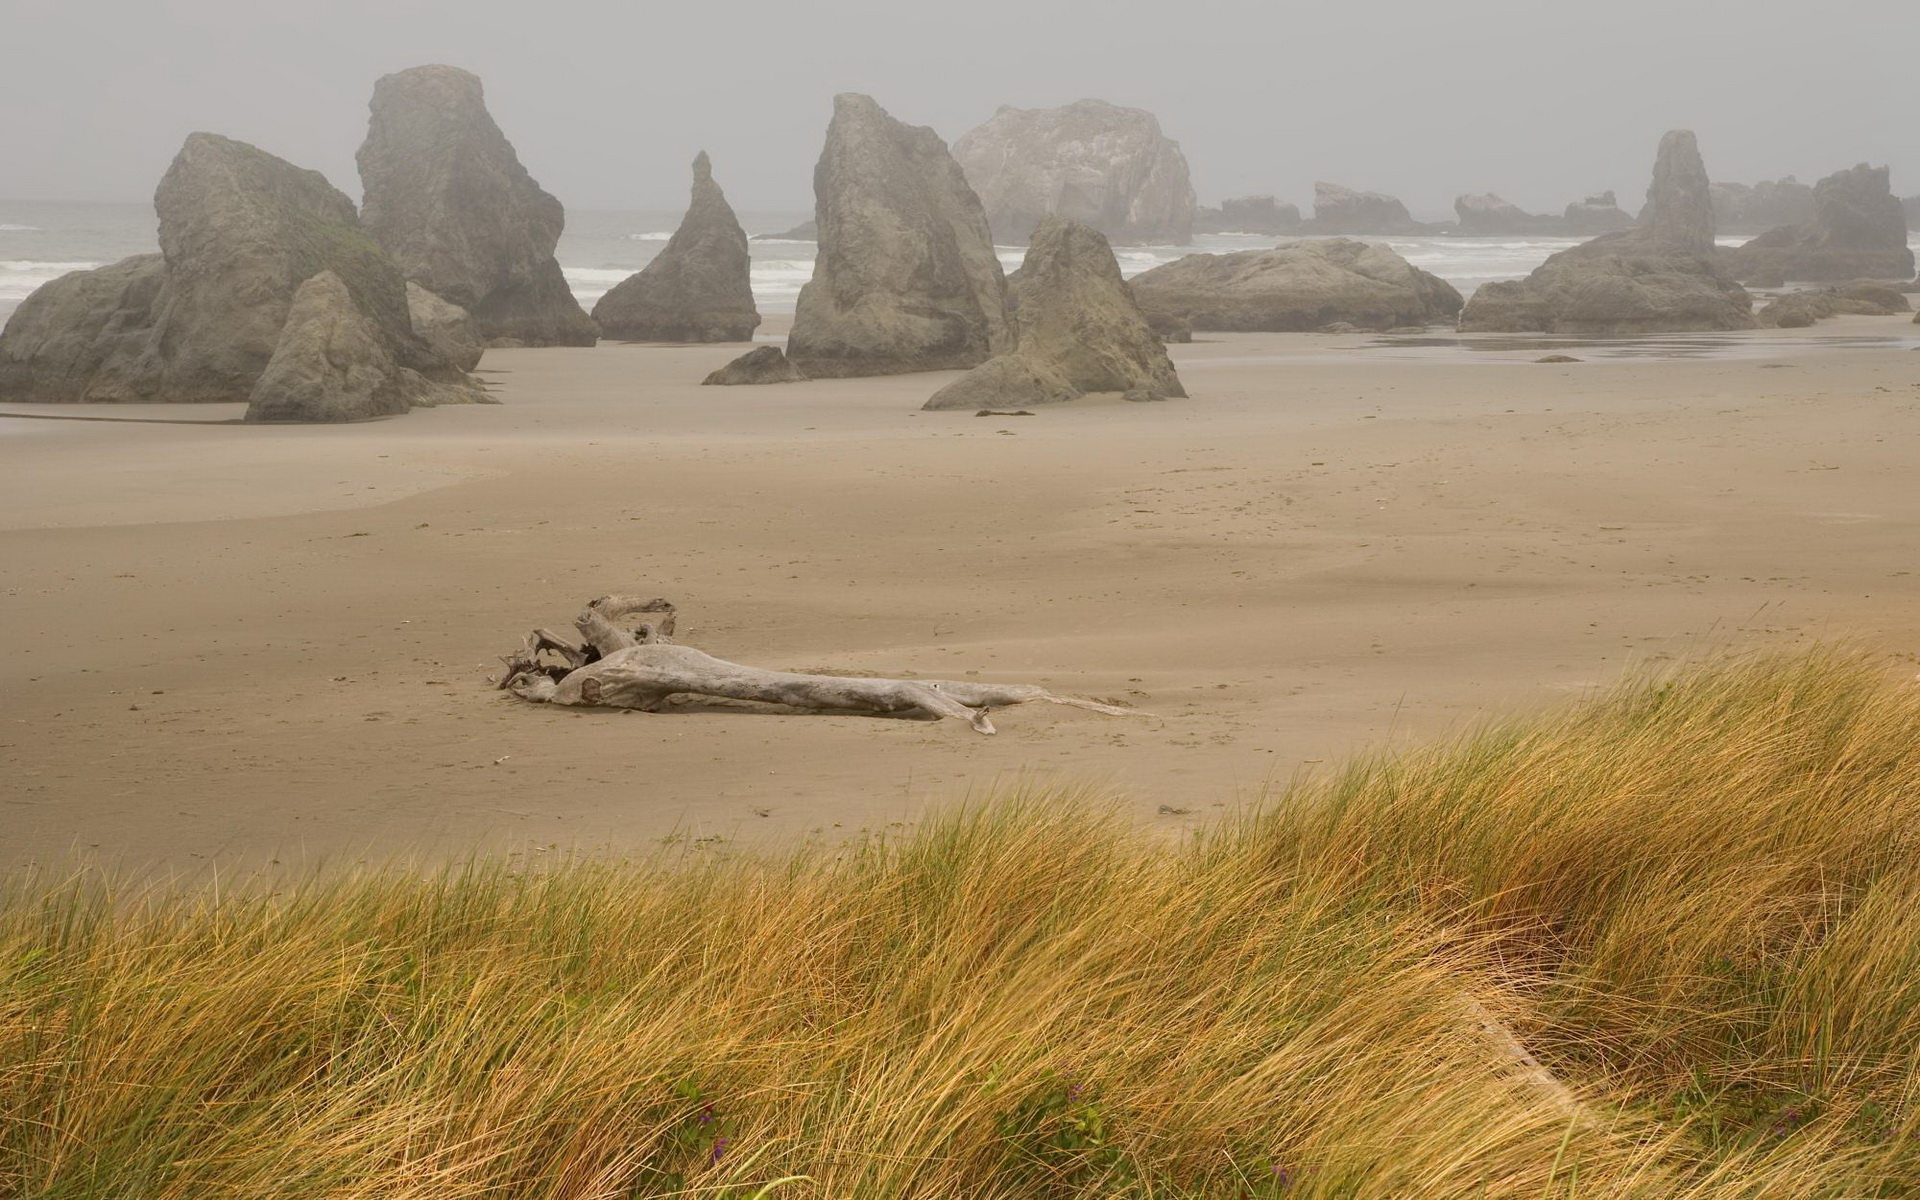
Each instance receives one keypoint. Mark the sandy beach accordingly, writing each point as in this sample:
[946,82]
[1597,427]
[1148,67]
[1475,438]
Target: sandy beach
[238,645]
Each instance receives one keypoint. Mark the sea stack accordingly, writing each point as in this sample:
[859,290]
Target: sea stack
[1658,277]
[1297,287]
[1858,231]
[1079,330]
[240,232]
[1491,216]
[1598,213]
[448,198]
[698,289]
[1339,209]
[1094,162]
[1248,214]
[906,278]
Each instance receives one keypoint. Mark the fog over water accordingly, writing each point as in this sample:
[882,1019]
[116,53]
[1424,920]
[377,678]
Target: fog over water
[607,102]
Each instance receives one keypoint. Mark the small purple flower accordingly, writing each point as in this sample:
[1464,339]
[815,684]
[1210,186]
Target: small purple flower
[719,1149]
[706,1114]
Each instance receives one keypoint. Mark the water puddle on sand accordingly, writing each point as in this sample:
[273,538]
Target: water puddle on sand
[1742,344]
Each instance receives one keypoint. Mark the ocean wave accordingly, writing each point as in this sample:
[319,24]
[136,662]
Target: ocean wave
[4,228]
[19,279]
[649,237]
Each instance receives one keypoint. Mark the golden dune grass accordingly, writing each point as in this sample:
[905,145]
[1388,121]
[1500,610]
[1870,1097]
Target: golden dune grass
[1697,901]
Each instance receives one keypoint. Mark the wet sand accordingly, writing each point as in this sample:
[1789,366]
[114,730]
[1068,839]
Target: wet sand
[237,645]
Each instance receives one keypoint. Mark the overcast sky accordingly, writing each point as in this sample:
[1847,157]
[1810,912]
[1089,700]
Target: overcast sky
[607,102]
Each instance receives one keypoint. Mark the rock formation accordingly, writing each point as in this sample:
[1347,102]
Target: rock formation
[1079,330]
[906,278]
[1490,216]
[1296,287]
[1339,209]
[1740,208]
[448,198]
[1098,163]
[805,231]
[1858,231]
[330,363]
[1598,213]
[240,231]
[762,364]
[448,330]
[1248,214]
[1658,277]
[1911,205]
[1798,310]
[698,289]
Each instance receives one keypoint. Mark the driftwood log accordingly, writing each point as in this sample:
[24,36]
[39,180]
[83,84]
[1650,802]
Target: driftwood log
[623,664]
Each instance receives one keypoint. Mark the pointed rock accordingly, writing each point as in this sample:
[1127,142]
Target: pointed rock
[698,289]
[1098,163]
[1079,331]
[762,364]
[330,364]
[1296,287]
[906,278]
[448,198]
[1858,231]
[1661,276]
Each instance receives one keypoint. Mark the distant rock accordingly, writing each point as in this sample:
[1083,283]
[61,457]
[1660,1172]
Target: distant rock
[1490,216]
[330,364]
[448,329]
[1740,208]
[1911,206]
[805,231]
[1248,214]
[1079,330]
[762,364]
[448,198]
[1798,310]
[906,278]
[1659,277]
[1339,209]
[1095,162]
[1296,287]
[1858,231]
[1599,213]
[240,231]
[698,289]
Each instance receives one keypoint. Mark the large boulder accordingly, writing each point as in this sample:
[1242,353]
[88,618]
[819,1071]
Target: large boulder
[698,289]
[906,278]
[240,231]
[1598,213]
[1248,214]
[1339,209]
[1098,163]
[762,364]
[1079,330]
[331,363]
[1490,216]
[1296,287]
[1858,231]
[1743,208]
[448,198]
[1661,276]
[1797,310]
[448,330]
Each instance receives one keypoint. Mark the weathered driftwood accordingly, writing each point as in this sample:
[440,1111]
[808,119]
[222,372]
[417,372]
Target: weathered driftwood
[641,668]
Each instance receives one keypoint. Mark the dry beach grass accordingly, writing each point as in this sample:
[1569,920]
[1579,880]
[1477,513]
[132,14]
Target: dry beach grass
[1694,899]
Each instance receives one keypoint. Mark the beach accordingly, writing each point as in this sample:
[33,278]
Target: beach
[242,645]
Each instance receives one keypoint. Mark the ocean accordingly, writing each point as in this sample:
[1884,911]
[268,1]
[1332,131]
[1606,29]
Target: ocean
[42,240]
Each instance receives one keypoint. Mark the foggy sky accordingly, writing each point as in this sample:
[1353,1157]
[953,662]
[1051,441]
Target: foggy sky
[607,102]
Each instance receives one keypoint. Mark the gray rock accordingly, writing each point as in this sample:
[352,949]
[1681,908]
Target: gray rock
[448,198]
[331,363]
[1740,208]
[1858,231]
[1798,310]
[1490,216]
[1339,209]
[449,330]
[240,231]
[698,289]
[1079,330]
[1598,213]
[1097,163]
[1296,287]
[1911,206]
[1248,214]
[1660,276]
[905,278]
[762,364]
[805,231]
